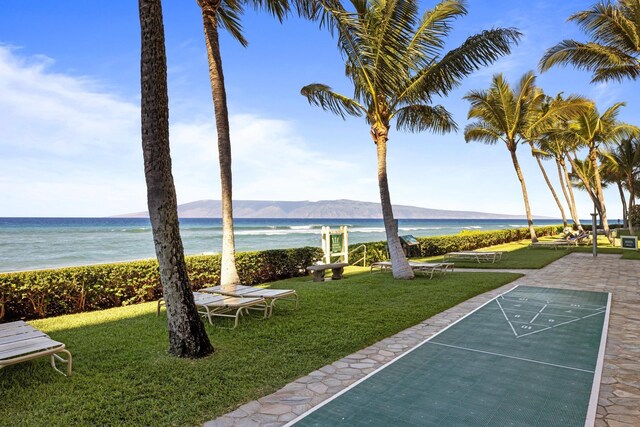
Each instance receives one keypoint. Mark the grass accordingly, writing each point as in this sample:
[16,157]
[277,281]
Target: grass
[629,254]
[124,376]
[518,255]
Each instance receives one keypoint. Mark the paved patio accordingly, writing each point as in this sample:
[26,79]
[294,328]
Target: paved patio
[619,403]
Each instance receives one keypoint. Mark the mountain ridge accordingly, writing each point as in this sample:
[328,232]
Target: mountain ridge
[329,209]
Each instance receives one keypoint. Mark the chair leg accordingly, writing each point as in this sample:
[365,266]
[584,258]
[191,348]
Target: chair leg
[68,361]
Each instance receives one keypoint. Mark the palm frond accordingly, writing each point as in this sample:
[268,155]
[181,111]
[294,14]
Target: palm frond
[592,57]
[606,24]
[322,96]
[281,8]
[433,28]
[419,118]
[228,17]
[481,132]
[444,75]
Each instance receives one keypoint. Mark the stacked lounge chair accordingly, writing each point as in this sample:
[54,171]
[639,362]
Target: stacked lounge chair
[269,295]
[210,305]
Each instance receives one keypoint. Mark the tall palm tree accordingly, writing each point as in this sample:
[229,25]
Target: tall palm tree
[556,146]
[397,64]
[514,115]
[623,162]
[613,51]
[540,154]
[187,336]
[610,173]
[226,14]
[592,130]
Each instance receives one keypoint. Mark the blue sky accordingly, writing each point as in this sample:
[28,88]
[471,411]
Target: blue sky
[69,113]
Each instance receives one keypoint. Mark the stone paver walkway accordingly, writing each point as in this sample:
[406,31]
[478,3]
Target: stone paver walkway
[619,404]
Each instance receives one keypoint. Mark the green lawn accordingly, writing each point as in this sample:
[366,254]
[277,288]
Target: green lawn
[518,255]
[123,375]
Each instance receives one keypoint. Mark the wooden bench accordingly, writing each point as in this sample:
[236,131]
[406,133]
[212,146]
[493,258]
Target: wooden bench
[337,268]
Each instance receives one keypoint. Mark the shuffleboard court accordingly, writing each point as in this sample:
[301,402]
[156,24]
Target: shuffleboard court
[530,357]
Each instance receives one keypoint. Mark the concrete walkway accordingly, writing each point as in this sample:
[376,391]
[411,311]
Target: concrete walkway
[619,404]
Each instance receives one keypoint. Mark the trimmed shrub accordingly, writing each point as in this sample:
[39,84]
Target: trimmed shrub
[464,241]
[43,293]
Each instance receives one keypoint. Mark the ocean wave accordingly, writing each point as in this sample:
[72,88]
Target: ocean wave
[367,230]
[132,230]
[472,227]
[419,228]
[272,232]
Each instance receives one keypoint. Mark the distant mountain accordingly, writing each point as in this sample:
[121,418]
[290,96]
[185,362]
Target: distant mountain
[320,209]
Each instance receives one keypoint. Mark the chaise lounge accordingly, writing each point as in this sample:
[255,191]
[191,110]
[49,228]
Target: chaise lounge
[270,295]
[418,267]
[20,342]
[477,256]
[211,305]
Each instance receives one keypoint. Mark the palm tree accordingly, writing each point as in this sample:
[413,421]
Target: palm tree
[613,52]
[582,176]
[397,64]
[611,173]
[591,130]
[187,336]
[556,146]
[623,165]
[513,116]
[539,154]
[225,14]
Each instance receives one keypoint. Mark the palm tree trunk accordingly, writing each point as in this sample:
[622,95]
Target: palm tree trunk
[632,203]
[187,336]
[516,165]
[625,221]
[553,192]
[399,265]
[570,201]
[599,194]
[228,272]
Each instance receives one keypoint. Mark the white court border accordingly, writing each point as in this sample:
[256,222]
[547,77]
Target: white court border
[595,388]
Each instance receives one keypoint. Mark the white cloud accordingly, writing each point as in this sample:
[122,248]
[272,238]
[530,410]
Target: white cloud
[270,161]
[57,114]
[70,148]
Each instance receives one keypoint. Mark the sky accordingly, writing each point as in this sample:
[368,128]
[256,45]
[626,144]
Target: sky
[70,123]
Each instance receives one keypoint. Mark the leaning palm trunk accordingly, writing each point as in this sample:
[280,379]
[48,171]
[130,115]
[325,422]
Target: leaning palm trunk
[525,196]
[570,200]
[571,195]
[625,220]
[400,265]
[632,203]
[228,272]
[187,337]
[600,195]
[553,191]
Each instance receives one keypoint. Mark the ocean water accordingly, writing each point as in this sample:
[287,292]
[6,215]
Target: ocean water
[36,243]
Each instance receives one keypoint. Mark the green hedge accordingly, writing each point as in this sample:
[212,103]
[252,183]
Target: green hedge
[43,293]
[440,245]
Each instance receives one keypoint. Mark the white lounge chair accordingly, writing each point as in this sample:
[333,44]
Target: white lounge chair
[211,305]
[242,291]
[478,256]
[20,342]
[418,267]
